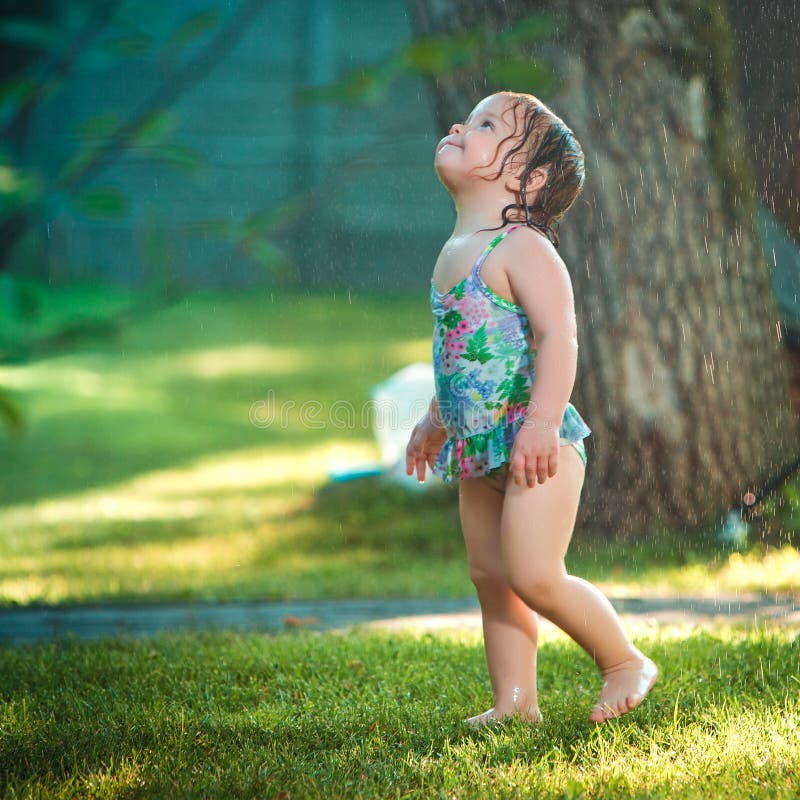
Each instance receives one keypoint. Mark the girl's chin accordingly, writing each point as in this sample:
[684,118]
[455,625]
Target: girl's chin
[450,164]
[446,176]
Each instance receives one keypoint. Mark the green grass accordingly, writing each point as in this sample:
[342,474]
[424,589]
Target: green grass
[378,715]
[142,476]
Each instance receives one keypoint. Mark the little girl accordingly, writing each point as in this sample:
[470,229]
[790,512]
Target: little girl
[515,444]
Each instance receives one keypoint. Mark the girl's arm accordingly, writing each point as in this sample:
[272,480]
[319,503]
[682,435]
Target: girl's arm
[540,281]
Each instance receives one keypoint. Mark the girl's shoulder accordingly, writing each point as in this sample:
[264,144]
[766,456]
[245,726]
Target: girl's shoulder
[530,236]
[526,249]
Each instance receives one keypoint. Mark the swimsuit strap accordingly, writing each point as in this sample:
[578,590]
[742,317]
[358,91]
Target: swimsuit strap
[488,249]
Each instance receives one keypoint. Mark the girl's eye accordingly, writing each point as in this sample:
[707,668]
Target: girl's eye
[487,122]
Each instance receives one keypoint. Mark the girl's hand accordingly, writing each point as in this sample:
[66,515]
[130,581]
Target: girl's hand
[534,456]
[424,445]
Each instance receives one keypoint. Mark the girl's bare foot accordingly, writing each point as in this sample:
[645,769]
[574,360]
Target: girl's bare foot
[624,687]
[489,717]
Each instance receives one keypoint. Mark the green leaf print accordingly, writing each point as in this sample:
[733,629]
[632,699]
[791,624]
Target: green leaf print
[475,444]
[516,389]
[451,319]
[477,349]
[479,337]
[471,355]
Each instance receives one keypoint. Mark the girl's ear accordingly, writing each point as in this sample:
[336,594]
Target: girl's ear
[536,181]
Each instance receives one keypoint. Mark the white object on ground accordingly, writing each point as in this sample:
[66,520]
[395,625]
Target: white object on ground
[399,403]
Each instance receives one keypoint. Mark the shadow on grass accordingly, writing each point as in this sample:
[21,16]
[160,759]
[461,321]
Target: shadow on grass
[373,513]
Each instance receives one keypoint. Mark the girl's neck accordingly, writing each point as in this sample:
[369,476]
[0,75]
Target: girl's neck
[472,217]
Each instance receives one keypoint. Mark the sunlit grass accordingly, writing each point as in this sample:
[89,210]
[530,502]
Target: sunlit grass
[149,470]
[768,570]
[372,714]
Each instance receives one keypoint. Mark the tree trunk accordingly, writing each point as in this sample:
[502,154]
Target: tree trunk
[681,373]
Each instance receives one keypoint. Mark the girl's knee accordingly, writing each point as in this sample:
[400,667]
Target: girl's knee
[488,578]
[537,587]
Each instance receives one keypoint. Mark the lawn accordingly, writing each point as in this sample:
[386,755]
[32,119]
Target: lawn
[378,715]
[143,472]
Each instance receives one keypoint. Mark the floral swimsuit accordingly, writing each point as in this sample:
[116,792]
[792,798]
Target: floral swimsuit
[483,370]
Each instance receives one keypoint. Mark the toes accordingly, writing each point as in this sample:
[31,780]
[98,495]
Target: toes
[479,720]
[603,712]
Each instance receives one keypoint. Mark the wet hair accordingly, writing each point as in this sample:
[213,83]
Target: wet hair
[546,142]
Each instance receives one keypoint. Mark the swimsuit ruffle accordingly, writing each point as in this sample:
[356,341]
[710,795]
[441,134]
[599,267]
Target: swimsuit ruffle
[477,454]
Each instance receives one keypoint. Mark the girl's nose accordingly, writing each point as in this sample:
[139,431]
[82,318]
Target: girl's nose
[455,127]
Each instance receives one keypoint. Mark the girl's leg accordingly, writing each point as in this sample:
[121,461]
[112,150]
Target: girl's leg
[536,528]
[510,628]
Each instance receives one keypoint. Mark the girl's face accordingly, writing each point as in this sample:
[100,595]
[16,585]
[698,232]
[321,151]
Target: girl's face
[473,147]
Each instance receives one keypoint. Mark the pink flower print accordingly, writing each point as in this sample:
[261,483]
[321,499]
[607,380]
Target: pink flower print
[463,327]
[448,363]
[459,448]
[468,465]
[457,346]
[470,308]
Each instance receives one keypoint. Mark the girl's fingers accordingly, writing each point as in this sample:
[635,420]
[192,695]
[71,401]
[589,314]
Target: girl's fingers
[517,468]
[538,469]
[410,459]
[412,456]
[532,471]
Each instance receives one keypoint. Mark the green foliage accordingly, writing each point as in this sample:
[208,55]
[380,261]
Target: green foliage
[130,45]
[365,86]
[154,128]
[104,135]
[98,126]
[181,157]
[19,187]
[101,202]
[521,72]
[28,32]
[191,29]
[498,54]
[434,55]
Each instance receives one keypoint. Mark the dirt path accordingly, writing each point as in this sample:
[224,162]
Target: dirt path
[38,623]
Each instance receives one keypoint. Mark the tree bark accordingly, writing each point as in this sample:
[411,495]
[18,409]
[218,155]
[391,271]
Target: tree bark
[681,374]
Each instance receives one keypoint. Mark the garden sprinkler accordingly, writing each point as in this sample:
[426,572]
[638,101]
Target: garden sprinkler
[735,529]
